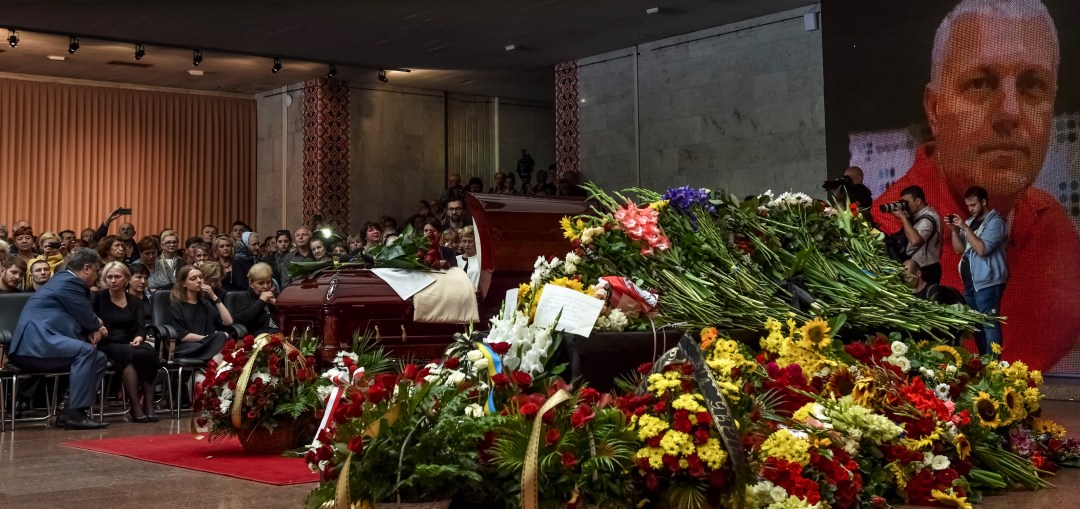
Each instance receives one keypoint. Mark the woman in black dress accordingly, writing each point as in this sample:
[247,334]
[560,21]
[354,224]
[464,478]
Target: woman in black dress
[198,316]
[124,317]
[255,308]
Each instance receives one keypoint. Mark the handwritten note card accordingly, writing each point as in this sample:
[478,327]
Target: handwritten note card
[579,311]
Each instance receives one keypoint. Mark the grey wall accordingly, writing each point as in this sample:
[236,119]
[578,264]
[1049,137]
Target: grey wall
[398,151]
[738,107]
[279,163]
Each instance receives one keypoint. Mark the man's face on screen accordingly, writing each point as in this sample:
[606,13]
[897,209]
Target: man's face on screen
[991,112]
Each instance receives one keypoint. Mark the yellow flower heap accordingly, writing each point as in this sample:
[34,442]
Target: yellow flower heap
[656,423]
[1017,388]
[727,361]
[808,346]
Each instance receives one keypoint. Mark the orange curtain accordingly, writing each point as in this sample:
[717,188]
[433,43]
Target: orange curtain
[71,154]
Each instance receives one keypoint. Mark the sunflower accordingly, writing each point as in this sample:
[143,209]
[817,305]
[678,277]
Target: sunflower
[841,382]
[950,352]
[1040,426]
[816,331]
[950,499]
[866,392]
[987,410]
[1015,403]
[963,446]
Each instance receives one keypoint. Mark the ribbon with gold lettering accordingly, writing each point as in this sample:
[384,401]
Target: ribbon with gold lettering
[494,367]
[529,493]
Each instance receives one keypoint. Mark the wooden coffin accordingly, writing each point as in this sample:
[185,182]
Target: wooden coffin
[511,232]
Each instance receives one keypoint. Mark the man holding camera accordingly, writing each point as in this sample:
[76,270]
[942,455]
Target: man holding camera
[919,223]
[980,242]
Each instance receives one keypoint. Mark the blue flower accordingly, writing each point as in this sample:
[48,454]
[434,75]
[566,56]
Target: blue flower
[683,198]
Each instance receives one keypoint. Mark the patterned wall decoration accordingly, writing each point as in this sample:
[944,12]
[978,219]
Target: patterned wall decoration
[326,152]
[566,118]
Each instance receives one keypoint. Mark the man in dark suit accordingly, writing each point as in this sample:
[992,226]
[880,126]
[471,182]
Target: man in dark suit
[51,336]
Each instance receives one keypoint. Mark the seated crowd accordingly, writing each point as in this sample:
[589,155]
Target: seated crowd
[100,287]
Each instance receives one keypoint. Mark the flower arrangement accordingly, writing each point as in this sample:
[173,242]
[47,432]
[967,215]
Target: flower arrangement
[261,383]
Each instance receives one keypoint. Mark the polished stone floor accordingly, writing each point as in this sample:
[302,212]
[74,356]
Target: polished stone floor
[36,472]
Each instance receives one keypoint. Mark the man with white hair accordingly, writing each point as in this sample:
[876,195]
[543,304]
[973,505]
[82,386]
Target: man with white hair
[990,105]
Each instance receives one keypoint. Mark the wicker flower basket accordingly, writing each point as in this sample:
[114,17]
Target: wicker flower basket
[261,441]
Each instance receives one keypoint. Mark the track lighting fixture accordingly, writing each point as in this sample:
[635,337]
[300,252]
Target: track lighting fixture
[197,58]
[13,38]
[140,51]
[277,65]
[332,72]
[73,44]
[382,76]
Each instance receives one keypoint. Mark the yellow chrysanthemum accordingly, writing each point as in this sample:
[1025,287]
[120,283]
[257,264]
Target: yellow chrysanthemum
[1031,398]
[996,348]
[568,228]
[816,331]
[803,414]
[986,409]
[951,353]
[950,499]
[784,445]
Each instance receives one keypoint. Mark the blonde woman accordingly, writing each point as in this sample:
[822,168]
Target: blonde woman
[255,309]
[163,275]
[124,316]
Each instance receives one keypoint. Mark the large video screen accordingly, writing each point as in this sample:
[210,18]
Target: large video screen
[948,94]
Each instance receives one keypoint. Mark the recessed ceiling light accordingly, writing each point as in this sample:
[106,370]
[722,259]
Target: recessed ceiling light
[195,72]
[652,10]
[56,57]
[511,47]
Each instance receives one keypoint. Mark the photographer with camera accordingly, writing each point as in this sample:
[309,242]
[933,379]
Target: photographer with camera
[849,188]
[126,234]
[981,242]
[919,238]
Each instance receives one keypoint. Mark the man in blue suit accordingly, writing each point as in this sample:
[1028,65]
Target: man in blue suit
[52,332]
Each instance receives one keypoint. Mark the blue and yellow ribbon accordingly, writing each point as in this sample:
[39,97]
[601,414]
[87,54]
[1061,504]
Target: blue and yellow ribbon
[494,367]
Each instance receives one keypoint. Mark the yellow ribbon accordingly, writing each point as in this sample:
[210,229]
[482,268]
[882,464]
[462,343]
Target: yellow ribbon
[342,498]
[529,495]
[242,382]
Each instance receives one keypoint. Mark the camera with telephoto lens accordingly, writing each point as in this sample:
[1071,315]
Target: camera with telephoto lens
[844,181]
[894,206]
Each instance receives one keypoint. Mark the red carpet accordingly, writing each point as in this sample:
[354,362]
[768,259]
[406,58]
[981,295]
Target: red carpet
[222,458]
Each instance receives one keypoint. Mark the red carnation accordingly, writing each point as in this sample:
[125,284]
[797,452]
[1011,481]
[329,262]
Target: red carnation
[552,437]
[701,436]
[645,368]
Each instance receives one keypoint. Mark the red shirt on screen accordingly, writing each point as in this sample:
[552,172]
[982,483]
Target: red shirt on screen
[1042,298]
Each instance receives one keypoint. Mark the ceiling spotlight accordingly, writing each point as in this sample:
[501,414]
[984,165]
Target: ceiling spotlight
[140,51]
[13,38]
[652,10]
[197,58]
[277,65]
[382,76]
[332,72]
[510,47]
[73,44]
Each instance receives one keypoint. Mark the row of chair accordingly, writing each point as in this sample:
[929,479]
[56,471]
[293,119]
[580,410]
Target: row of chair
[159,332]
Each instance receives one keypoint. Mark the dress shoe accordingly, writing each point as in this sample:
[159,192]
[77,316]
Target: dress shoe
[152,417]
[141,419]
[82,422]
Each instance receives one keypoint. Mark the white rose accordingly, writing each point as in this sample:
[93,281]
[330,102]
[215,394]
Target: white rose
[572,257]
[474,355]
[899,348]
[939,463]
[904,364]
[778,493]
[950,369]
